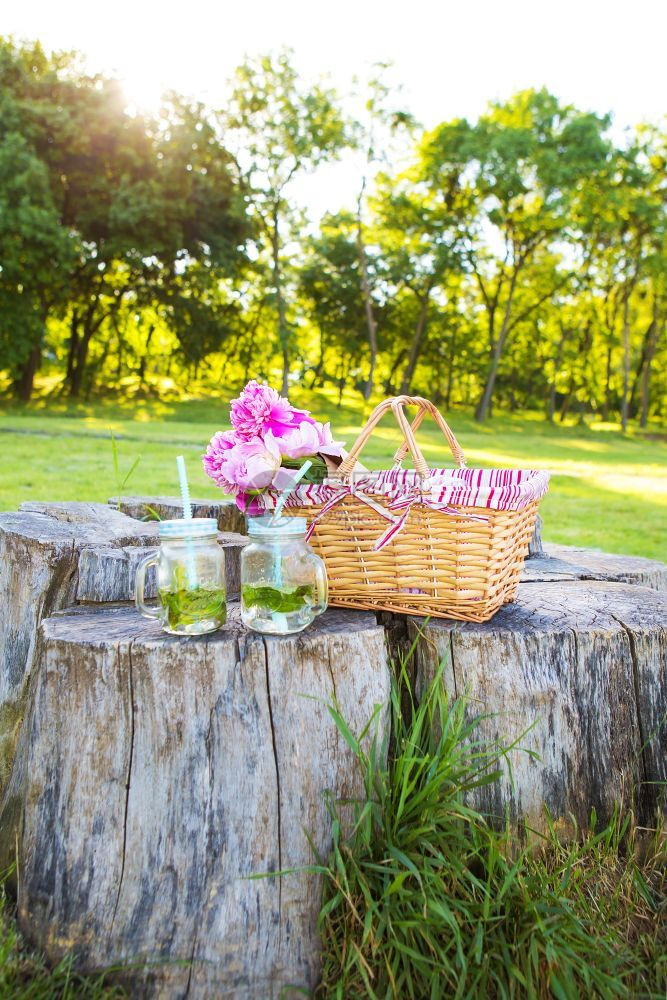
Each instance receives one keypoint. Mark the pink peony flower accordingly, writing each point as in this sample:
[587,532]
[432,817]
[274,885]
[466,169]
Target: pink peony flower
[260,409]
[308,439]
[251,465]
[216,453]
[327,444]
[249,504]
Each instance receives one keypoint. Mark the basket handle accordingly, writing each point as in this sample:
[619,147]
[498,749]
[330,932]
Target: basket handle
[396,404]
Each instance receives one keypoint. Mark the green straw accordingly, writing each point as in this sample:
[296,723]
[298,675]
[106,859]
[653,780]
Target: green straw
[282,499]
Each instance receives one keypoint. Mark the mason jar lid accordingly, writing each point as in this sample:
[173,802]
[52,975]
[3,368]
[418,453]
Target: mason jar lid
[197,527]
[285,527]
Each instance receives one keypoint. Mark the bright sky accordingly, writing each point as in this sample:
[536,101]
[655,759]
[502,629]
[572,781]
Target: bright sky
[452,58]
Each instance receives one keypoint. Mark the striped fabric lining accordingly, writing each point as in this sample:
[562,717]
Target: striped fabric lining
[499,489]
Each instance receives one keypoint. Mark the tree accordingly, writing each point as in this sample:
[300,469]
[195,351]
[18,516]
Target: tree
[35,248]
[282,129]
[107,207]
[418,231]
[519,165]
[329,286]
[623,220]
[380,122]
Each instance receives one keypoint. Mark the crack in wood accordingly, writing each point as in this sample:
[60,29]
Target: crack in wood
[129,770]
[453,664]
[643,741]
[275,758]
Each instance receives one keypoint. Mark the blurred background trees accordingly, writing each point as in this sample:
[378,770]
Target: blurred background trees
[518,261]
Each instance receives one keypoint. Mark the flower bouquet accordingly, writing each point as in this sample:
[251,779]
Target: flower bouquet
[269,439]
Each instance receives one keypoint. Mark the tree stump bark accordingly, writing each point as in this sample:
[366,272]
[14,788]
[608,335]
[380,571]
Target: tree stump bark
[568,562]
[162,773]
[535,549]
[228,515]
[53,555]
[580,668]
[40,549]
[106,575]
[148,776]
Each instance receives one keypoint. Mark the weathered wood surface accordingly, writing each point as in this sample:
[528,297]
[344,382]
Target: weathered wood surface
[162,772]
[106,575]
[40,548]
[53,555]
[100,521]
[228,515]
[585,665]
[568,562]
[535,549]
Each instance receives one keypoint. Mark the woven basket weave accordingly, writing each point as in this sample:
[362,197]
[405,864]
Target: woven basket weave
[462,563]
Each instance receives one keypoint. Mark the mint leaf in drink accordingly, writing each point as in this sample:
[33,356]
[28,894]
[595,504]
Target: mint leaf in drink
[187,607]
[280,599]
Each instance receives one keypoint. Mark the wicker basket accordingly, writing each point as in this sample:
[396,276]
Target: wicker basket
[388,545]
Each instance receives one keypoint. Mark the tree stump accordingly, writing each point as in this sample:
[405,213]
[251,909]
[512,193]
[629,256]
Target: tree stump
[580,668]
[40,548]
[148,776]
[106,575]
[226,512]
[162,773]
[535,548]
[51,556]
[568,562]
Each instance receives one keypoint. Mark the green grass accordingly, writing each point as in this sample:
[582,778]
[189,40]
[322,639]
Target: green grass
[608,490]
[423,899]
[25,975]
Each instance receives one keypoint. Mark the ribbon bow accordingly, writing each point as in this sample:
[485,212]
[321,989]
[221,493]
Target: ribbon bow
[396,512]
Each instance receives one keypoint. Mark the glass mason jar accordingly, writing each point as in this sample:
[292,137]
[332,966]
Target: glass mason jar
[190,571]
[283,582]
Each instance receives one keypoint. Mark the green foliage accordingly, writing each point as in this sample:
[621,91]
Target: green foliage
[121,481]
[514,261]
[280,599]
[25,975]
[282,128]
[188,606]
[106,208]
[423,898]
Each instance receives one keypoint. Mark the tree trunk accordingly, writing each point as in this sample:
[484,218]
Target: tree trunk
[415,346]
[651,348]
[317,370]
[482,410]
[147,508]
[484,405]
[145,356]
[162,775]
[626,361]
[450,369]
[398,360]
[557,563]
[577,673]
[368,301]
[24,383]
[551,411]
[606,406]
[80,359]
[633,405]
[283,333]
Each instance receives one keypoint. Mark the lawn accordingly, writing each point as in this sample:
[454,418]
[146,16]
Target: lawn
[608,490]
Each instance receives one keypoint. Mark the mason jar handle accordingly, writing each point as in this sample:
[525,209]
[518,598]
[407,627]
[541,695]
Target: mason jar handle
[139,585]
[322,586]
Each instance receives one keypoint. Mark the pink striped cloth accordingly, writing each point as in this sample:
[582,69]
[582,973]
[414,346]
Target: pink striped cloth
[443,490]
[499,489]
